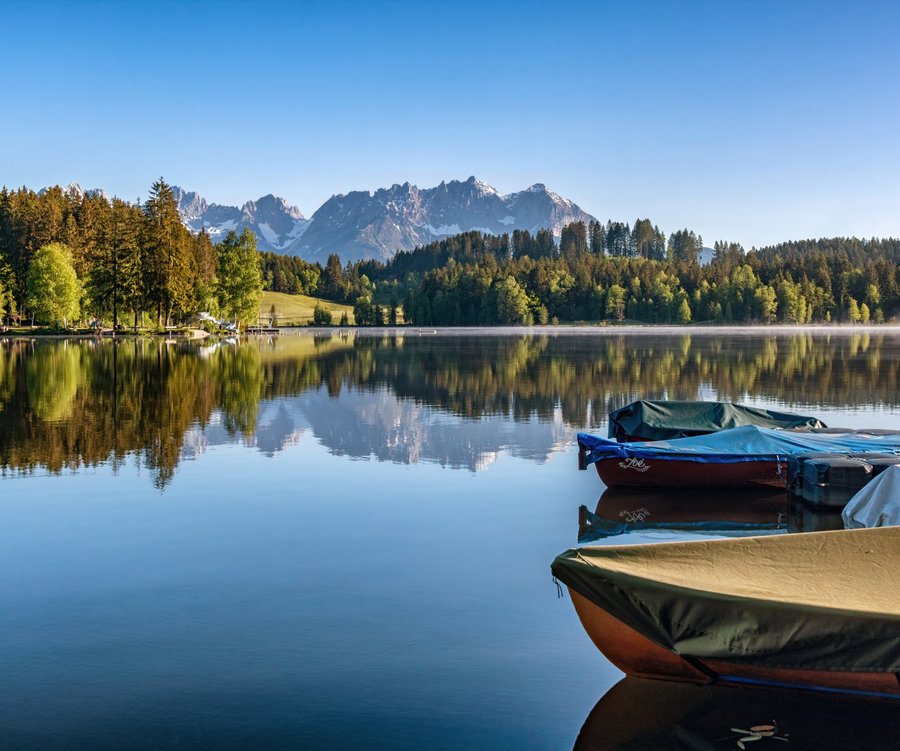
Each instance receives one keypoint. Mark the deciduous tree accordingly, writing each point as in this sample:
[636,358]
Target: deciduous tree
[54,291]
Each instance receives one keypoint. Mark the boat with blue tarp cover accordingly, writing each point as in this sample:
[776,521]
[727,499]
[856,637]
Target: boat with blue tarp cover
[748,455]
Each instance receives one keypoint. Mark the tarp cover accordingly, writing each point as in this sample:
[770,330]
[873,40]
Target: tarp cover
[877,504]
[815,601]
[664,420]
[748,443]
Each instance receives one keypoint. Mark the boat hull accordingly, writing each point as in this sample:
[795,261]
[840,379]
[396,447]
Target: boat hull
[616,472]
[636,655]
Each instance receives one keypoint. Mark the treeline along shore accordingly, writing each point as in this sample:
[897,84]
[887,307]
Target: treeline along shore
[79,256]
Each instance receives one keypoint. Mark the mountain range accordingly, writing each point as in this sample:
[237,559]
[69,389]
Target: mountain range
[361,224]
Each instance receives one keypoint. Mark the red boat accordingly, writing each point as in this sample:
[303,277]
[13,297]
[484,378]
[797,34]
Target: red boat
[740,457]
[814,611]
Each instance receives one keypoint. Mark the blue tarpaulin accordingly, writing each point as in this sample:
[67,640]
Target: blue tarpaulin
[747,443]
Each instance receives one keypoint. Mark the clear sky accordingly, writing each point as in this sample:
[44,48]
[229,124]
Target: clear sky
[749,121]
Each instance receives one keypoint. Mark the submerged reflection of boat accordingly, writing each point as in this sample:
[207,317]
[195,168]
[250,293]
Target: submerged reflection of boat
[804,518]
[740,511]
[638,714]
[812,611]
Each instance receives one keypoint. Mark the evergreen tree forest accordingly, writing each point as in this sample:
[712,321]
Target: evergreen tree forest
[137,264]
[617,272]
[73,256]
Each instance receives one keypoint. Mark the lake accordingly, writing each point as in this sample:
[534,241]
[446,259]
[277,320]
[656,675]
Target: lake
[343,541]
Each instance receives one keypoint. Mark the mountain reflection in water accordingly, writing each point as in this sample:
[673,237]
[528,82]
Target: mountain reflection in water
[456,400]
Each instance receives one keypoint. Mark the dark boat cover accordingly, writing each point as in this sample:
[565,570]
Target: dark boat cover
[661,421]
[748,443]
[814,601]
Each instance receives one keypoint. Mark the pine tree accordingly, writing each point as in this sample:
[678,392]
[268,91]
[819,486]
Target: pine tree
[113,282]
[167,261]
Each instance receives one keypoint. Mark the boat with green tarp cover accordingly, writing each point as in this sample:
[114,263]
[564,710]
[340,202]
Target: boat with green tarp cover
[814,611]
[744,456]
[646,420]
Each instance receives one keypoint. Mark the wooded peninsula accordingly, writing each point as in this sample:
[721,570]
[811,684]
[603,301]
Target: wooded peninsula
[78,257]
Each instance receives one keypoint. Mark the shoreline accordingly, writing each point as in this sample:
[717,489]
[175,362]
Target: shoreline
[558,329]
[587,330]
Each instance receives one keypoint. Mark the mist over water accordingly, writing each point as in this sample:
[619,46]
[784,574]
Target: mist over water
[335,541]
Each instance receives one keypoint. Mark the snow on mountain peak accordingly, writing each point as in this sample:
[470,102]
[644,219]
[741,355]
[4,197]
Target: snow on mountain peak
[275,223]
[376,225]
[364,224]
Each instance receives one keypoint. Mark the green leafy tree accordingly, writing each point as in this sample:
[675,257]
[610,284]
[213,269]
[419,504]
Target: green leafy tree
[615,302]
[321,315]
[765,303]
[239,276]
[364,312]
[512,303]
[53,288]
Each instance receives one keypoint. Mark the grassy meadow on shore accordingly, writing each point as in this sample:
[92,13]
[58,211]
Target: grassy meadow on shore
[297,310]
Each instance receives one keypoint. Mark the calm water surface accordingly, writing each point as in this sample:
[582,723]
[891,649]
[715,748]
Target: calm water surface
[342,542]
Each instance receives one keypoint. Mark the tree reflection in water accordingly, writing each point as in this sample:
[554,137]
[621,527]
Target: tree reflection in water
[72,403]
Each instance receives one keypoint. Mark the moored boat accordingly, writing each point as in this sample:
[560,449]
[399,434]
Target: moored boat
[744,456]
[877,504]
[647,420]
[814,611]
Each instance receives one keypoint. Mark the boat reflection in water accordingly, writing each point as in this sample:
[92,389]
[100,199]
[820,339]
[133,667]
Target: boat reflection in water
[804,518]
[743,511]
[732,513]
[640,714]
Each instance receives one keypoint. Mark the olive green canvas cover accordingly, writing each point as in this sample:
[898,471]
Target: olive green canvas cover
[664,420]
[814,601]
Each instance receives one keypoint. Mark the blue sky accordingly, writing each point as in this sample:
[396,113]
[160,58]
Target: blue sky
[748,121]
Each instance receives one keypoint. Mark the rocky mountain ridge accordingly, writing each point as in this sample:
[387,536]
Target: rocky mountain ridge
[361,224]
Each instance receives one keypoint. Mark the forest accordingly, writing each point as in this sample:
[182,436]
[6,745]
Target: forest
[68,257]
[609,272]
[79,256]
